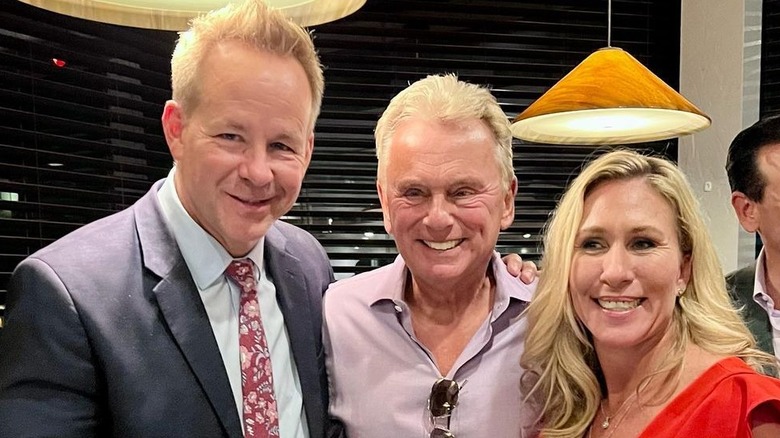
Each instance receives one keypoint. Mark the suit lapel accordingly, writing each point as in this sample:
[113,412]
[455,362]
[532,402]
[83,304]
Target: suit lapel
[183,310]
[741,284]
[293,297]
[756,317]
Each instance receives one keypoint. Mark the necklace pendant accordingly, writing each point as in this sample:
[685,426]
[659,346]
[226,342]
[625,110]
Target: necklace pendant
[605,423]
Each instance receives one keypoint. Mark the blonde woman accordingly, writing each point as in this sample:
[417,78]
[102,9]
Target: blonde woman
[631,332]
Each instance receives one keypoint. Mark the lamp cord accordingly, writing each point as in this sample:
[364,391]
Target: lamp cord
[609,23]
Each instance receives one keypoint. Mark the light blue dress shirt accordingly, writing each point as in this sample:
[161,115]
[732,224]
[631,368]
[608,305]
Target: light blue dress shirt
[207,260]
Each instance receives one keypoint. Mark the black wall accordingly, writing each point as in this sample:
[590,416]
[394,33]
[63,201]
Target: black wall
[81,141]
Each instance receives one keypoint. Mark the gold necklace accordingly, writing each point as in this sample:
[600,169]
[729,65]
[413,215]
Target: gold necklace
[605,424]
[607,418]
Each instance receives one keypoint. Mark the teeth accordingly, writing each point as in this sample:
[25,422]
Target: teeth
[442,246]
[621,305]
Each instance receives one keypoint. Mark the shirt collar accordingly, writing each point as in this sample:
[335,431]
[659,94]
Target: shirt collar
[507,287]
[759,283]
[204,255]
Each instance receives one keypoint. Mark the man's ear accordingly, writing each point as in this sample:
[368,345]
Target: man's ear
[173,125]
[508,217]
[309,149]
[385,208]
[746,210]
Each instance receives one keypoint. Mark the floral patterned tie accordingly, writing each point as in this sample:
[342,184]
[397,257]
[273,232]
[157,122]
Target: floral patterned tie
[260,415]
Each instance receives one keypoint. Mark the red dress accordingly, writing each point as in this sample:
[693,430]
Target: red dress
[719,403]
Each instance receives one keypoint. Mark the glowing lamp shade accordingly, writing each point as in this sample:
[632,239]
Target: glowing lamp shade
[609,98]
[176,14]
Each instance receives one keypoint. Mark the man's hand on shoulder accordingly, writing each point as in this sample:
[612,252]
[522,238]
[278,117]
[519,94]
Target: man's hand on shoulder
[525,271]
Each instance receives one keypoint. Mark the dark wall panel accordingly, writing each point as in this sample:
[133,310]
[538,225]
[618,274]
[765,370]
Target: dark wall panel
[770,58]
[80,141]
[518,48]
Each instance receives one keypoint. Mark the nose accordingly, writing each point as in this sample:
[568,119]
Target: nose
[255,166]
[439,214]
[617,270]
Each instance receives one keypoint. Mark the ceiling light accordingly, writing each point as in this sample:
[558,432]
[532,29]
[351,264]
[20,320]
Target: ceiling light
[176,14]
[609,98]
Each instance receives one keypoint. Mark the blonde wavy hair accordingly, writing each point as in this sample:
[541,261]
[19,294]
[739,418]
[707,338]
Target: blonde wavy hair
[563,372]
[446,99]
[253,23]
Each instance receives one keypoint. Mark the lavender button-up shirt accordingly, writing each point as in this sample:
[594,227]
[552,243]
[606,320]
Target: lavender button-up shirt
[381,375]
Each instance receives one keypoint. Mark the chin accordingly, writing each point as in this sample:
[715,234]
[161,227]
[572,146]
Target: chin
[625,338]
[251,235]
[446,272]
[256,233]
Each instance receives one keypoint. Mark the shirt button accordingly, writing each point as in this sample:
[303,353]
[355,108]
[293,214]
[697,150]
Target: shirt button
[398,308]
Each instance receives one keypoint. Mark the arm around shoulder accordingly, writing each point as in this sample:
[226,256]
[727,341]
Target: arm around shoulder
[48,383]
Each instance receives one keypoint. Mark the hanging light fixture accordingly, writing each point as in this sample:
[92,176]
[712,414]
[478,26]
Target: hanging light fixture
[609,98]
[176,14]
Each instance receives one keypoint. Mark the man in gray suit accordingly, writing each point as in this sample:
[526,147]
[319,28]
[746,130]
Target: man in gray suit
[129,326]
[753,168]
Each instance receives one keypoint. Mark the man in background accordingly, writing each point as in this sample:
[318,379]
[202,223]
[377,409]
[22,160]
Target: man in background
[753,168]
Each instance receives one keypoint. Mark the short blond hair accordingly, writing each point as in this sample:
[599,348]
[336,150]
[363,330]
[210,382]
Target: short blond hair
[253,23]
[446,99]
[558,351]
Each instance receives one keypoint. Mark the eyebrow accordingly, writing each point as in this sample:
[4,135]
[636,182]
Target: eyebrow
[236,126]
[598,229]
[413,181]
[284,136]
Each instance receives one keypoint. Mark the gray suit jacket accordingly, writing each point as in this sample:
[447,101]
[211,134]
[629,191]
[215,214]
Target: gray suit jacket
[740,283]
[106,334]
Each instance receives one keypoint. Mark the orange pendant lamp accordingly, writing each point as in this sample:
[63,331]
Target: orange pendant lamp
[609,98]
[176,14]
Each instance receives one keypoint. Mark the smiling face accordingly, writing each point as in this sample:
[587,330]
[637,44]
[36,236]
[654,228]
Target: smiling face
[241,153]
[627,265]
[443,198]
